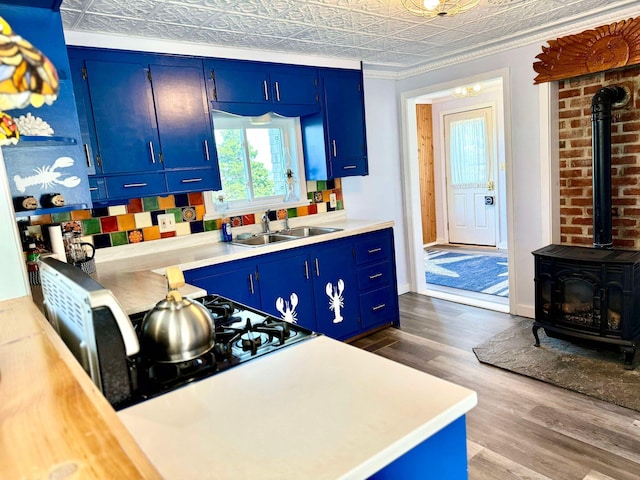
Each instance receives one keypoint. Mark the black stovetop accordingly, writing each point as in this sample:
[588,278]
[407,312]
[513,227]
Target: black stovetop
[242,334]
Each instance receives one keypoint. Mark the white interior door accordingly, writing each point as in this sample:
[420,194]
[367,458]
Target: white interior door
[469,161]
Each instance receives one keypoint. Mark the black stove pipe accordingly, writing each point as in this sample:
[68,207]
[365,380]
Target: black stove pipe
[601,143]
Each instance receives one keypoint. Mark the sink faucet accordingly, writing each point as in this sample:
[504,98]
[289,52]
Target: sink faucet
[286,221]
[266,228]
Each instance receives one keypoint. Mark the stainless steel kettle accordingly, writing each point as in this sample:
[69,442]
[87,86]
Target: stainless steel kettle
[176,329]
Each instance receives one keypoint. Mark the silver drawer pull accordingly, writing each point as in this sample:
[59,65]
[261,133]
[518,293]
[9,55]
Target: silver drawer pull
[373,277]
[349,167]
[266,90]
[277,92]
[375,250]
[251,284]
[306,270]
[335,148]
[191,180]
[379,307]
[133,185]
[93,189]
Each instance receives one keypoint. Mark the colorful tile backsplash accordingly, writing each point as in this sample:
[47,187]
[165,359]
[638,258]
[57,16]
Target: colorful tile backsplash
[137,221]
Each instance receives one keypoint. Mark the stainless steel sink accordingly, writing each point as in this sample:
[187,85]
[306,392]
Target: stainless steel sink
[300,232]
[262,239]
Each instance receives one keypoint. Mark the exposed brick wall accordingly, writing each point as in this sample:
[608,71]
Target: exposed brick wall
[576,201]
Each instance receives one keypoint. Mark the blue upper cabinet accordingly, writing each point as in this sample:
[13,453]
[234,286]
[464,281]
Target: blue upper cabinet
[335,143]
[144,115]
[125,124]
[186,136]
[43,163]
[255,88]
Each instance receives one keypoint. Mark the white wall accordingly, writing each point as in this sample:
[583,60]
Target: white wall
[379,195]
[13,281]
[522,151]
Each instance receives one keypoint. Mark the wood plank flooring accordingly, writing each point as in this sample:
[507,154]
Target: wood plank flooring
[522,428]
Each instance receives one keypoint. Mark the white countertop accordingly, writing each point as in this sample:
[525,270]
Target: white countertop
[133,272]
[319,409]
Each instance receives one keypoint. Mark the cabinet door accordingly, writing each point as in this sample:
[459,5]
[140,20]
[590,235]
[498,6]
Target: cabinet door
[336,292]
[235,281]
[124,118]
[286,289]
[184,126]
[237,81]
[85,117]
[344,116]
[294,85]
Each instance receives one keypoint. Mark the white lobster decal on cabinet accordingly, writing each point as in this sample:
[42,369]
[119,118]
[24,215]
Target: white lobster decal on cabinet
[47,175]
[336,300]
[288,309]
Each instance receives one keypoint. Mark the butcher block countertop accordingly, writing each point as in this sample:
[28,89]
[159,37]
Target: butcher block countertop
[54,423]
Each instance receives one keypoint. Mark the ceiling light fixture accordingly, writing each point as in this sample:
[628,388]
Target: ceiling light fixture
[468,91]
[438,8]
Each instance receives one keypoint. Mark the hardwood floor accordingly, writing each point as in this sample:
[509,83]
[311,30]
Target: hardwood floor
[521,428]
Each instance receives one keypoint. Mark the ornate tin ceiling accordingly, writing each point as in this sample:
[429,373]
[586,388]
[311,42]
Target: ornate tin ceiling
[380,33]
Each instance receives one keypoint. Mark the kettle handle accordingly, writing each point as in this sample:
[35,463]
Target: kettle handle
[93,249]
[175,280]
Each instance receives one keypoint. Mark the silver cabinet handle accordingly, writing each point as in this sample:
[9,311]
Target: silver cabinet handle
[349,167]
[277,92]
[86,154]
[251,283]
[93,189]
[373,277]
[374,250]
[306,270]
[153,154]
[133,185]
[266,90]
[317,268]
[378,307]
[191,180]
[335,148]
[206,150]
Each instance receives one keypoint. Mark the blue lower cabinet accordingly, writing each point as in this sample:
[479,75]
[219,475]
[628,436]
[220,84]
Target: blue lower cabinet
[443,456]
[286,289]
[234,280]
[336,293]
[98,188]
[316,286]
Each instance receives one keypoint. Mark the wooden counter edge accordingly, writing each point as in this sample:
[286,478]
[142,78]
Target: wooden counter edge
[133,452]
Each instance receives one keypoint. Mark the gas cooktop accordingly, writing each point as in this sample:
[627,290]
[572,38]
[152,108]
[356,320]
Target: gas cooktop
[242,334]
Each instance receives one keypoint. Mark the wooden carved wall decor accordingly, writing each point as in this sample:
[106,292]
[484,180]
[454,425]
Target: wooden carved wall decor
[603,48]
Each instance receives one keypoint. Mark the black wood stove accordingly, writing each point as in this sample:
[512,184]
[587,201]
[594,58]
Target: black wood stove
[592,293]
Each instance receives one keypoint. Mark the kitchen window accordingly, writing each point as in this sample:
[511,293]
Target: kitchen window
[260,160]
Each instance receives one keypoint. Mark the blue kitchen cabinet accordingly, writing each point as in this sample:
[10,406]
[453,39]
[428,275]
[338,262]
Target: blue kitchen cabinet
[254,88]
[159,122]
[286,288]
[378,291]
[334,140]
[234,280]
[123,115]
[184,125]
[40,165]
[335,287]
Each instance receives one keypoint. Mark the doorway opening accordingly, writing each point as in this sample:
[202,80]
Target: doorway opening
[458,146]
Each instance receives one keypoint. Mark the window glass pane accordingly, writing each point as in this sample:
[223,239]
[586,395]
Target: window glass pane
[468,154]
[259,159]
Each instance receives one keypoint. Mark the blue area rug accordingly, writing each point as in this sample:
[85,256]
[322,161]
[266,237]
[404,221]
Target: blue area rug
[486,274]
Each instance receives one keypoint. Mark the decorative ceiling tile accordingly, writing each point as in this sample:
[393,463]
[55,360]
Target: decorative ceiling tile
[377,32]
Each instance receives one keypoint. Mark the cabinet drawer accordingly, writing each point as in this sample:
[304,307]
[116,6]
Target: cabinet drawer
[378,307]
[98,188]
[138,185]
[192,180]
[374,247]
[375,276]
[350,167]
